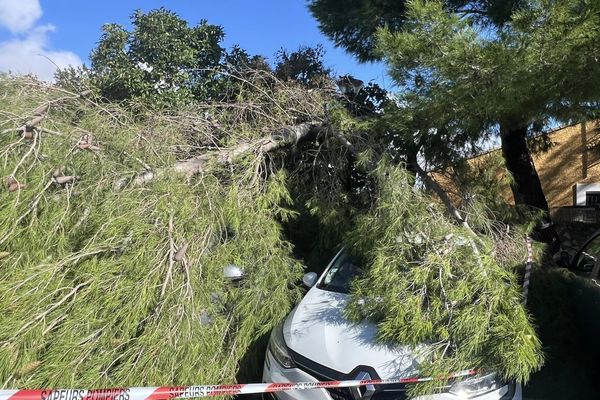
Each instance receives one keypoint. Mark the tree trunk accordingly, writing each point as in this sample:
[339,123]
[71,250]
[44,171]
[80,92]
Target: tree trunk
[526,186]
[287,136]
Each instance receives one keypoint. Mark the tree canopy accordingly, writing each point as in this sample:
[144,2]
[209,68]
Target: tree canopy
[164,61]
[304,65]
[471,71]
[465,83]
[353,24]
[161,59]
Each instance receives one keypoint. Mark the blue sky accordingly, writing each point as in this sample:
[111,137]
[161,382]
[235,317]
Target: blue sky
[67,30]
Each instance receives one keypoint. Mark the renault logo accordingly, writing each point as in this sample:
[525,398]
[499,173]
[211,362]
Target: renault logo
[362,392]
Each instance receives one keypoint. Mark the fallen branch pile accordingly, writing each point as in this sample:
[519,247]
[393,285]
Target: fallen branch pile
[116,224]
[105,281]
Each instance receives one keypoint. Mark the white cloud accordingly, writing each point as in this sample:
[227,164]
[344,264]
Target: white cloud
[30,55]
[19,15]
[28,51]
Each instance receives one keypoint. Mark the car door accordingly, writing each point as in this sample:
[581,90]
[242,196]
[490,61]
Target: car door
[587,260]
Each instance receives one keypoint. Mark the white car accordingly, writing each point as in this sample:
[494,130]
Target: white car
[317,343]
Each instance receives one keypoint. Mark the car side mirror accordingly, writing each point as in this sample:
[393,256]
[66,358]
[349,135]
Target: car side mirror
[233,273]
[309,279]
[562,259]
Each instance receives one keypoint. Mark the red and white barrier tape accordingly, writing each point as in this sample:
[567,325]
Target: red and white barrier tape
[189,392]
[528,267]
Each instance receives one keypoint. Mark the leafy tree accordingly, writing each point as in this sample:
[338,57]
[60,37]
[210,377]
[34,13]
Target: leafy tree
[162,59]
[75,79]
[305,65]
[361,100]
[238,59]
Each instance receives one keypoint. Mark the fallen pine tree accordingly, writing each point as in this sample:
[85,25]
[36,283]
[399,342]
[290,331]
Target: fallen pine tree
[108,287]
[116,223]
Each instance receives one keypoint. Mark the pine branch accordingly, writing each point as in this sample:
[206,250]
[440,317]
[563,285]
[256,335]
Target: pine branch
[288,136]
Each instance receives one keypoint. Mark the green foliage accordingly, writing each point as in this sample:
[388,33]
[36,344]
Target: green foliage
[561,43]
[166,63]
[454,298]
[161,60]
[74,79]
[362,100]
[89,283]
[353,24]
[304,65]
[464,80]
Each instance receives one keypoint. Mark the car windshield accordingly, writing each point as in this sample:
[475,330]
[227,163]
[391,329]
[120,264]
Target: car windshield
[341,274]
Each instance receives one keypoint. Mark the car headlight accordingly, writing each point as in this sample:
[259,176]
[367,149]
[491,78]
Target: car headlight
[476,386]
[279,349]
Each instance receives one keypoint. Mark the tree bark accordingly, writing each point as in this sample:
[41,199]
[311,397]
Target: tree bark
[287,136]
[526,185]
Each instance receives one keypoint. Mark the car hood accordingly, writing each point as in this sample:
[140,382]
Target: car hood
[318,330]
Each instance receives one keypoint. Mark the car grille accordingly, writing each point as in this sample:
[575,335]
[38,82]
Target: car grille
[322,373]
[335,393]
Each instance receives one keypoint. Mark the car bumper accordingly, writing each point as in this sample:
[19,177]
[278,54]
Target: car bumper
[273,372]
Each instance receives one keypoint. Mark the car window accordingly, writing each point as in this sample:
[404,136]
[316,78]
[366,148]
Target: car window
[587,257]
[339,277]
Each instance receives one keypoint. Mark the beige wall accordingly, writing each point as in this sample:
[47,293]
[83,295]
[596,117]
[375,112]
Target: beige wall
[560,168]
[565,164]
